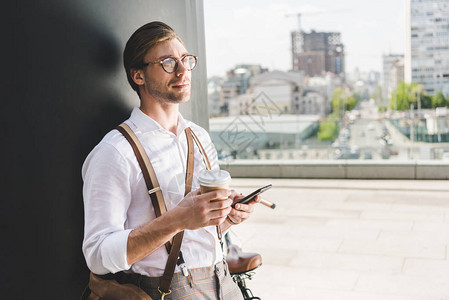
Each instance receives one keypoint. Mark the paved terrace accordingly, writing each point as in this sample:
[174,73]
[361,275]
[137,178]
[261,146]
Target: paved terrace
[349,239]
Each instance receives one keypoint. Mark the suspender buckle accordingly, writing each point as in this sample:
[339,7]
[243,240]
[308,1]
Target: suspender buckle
[163,294]
[154,190]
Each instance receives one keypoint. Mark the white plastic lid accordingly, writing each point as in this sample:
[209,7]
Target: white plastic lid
[214,178]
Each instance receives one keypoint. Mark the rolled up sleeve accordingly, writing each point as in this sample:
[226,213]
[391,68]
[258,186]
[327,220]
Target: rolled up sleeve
[107,196]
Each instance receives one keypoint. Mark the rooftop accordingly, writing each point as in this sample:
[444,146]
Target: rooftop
[278,124]
[349,239]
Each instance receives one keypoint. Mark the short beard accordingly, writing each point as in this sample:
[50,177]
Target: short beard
[167,97]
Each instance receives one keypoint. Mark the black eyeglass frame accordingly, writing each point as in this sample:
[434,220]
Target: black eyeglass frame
[175,68]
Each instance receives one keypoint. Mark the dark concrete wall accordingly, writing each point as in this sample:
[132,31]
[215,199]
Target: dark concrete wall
[62,88]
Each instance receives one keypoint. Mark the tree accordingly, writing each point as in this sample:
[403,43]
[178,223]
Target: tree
[438,100]
[341,102]
[401,99]
[328,131]
[337,101]
[351,101]
[407,94]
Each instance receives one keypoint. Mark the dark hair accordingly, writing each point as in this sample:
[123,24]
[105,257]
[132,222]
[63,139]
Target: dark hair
[142,40]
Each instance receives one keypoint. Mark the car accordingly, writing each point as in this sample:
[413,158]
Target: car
[367,155]
[385,154]
[347,153]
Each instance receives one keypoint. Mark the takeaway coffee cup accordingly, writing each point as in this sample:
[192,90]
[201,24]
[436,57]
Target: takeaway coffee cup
[211,180]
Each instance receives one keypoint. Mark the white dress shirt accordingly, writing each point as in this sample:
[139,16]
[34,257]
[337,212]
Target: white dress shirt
[116,199]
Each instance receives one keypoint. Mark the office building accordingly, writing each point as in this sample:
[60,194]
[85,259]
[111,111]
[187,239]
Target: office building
[317,53]
[388,62]
[427,59]
[237,83]
[278,90]
[396,75]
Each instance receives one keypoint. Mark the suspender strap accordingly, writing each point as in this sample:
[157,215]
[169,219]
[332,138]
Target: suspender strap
[208,166]
[198,143]
[190,161]
[147,169]
[157,198]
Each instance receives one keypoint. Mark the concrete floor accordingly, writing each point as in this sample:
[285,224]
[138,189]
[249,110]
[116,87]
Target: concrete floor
[349,239]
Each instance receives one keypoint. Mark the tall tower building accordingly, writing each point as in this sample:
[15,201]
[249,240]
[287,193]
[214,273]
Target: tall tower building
[316,53]
[427,56]
[388,61]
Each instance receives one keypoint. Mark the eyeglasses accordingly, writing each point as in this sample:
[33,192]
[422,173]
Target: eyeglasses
[170,64]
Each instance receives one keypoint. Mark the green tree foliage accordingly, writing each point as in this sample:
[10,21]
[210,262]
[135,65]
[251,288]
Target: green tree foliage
[402,98]
[341,102]
[439,100]
[351,102]
[328,131]
[337,100]
[407,94]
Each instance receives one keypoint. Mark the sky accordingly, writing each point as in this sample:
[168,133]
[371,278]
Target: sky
[258,31]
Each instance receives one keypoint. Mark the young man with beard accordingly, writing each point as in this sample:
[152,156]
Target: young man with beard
[122,233]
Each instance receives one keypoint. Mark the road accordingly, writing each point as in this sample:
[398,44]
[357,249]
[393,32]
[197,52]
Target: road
[375,138]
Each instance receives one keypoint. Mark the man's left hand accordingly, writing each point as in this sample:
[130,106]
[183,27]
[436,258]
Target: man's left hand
[241,212]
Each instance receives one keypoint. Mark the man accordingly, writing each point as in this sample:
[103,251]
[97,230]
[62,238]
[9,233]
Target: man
[121,230]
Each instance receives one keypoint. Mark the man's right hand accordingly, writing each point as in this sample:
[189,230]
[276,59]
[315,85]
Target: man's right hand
[198,210]
[195,211]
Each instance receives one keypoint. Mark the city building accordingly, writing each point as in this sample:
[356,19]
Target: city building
[281,90]
[237,83]
[228,91]
[427,52]
[246,135]
[325,85]
[213,95]
[240,105]
[310,103]
[366,84]
[396,75]
[387,63]
[316,53]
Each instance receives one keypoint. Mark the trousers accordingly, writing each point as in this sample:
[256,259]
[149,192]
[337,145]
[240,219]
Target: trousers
[209,283]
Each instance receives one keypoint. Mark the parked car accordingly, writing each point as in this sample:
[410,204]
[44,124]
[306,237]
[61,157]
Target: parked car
[367,155]
[347,153]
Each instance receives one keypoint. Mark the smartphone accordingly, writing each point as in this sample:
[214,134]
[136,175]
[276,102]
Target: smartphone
[251,196]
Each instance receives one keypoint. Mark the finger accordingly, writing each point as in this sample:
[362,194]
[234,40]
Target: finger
[239,215]
[257,199]
[238,197]
[213,195]
[221,204]
[244,207]
[233,194]
[219,213]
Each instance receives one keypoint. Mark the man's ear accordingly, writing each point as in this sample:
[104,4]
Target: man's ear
[137,76]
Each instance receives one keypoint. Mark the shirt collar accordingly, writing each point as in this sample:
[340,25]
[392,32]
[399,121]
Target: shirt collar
[182,124]
[144,123]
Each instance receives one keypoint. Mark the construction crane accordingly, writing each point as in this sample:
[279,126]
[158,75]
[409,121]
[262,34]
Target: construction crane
[298,15]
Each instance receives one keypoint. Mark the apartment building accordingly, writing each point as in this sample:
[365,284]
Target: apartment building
[427,57]
[317,53]
[388,62]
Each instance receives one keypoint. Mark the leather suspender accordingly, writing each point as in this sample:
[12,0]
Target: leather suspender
[174,247]
[198,143]
[208,166]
